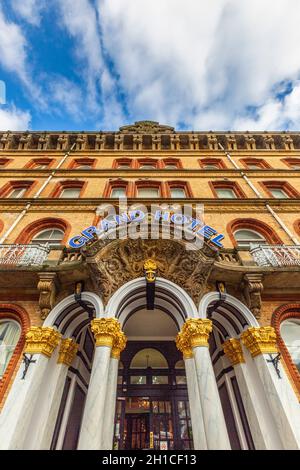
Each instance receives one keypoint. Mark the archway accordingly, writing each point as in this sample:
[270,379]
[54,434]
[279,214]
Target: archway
[230,318]
[152,408]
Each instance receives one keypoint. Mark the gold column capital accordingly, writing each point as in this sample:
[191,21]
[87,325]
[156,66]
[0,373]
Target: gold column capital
[260,340]
[183,345]
[197,330]
[119,345]
[105,331]
[233,350]
[67,351]
[41,340]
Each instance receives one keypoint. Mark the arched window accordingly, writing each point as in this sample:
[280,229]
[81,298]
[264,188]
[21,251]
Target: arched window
[244,231]
[10,332]
[290,333]
[52,236]
[245,237]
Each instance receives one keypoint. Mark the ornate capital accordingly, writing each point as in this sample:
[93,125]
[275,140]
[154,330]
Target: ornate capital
[197,331]
[67,352]
[150,268]
[47,289]
[260,340]
[184,346]
[233,350]
[119,345]
[41,340]
[105,331]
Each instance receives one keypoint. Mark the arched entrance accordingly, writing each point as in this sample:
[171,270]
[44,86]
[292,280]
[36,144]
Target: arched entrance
[152,406]
[152,399]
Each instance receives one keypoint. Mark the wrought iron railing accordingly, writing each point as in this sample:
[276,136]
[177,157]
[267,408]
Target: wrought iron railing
[276,255]
[23,255]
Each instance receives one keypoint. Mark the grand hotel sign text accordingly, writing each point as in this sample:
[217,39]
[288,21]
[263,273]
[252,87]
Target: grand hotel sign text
[154,224]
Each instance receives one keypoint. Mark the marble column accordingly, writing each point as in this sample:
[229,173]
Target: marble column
[261,342]
[197,333]
[111,392]
[23,400]
[260,419]
[43,425]
[199,437]
[93,425]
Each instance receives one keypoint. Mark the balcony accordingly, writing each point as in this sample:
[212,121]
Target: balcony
[276,255]
[23,255]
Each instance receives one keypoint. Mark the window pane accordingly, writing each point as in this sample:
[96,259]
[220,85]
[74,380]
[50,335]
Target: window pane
[9,336]
[138,380]
[210,166]
[226,193]
[38,166]
[177,193]
[295,166]
[278,193]
[118,192]
[290,332]
[254,166]
[160,380]
[148,166]
[17,193]
[148,192]
[171,166]
[84,167]
[123,166]
[247,235]
[51,236]
[70,193]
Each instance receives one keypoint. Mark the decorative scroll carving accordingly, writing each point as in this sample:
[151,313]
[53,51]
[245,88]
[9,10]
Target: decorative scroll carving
[41,340]
[147,127]
[150,268]
[260,340]
[252,287]
[233,350]
[269,142]
[100,142]
[81,142]
[67,351]
[106,331]
[231,142]
[288,142]
[62,142]
[113,263]
[212,142]
[195,332]
[183,345]
[44,142]
[250,142]
[47,289]
[119,345]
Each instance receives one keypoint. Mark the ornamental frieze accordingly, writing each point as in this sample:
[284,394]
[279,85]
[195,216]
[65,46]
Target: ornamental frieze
[114,263]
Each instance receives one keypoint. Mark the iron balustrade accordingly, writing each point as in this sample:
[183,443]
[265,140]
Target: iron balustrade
[276,255]
[23,255]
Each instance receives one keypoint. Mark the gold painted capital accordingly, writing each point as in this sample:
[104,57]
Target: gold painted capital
[119,345]
[41,340]
[184,346]
[105,331]
[67,352]
[233,350]
[150,268]
[197,330]
[260,340]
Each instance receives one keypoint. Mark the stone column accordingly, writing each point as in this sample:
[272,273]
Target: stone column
[50,398]
[261,342]
[199,437]
[260,419]
[197,333]
[111,392]
[23,399]
[105,331]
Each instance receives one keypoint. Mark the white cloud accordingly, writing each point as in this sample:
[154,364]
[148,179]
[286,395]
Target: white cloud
[203,63]
[29,10]
[13,55]
[67,95]
[14,119]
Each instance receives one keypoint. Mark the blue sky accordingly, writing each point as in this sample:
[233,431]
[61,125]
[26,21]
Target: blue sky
[100,64]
